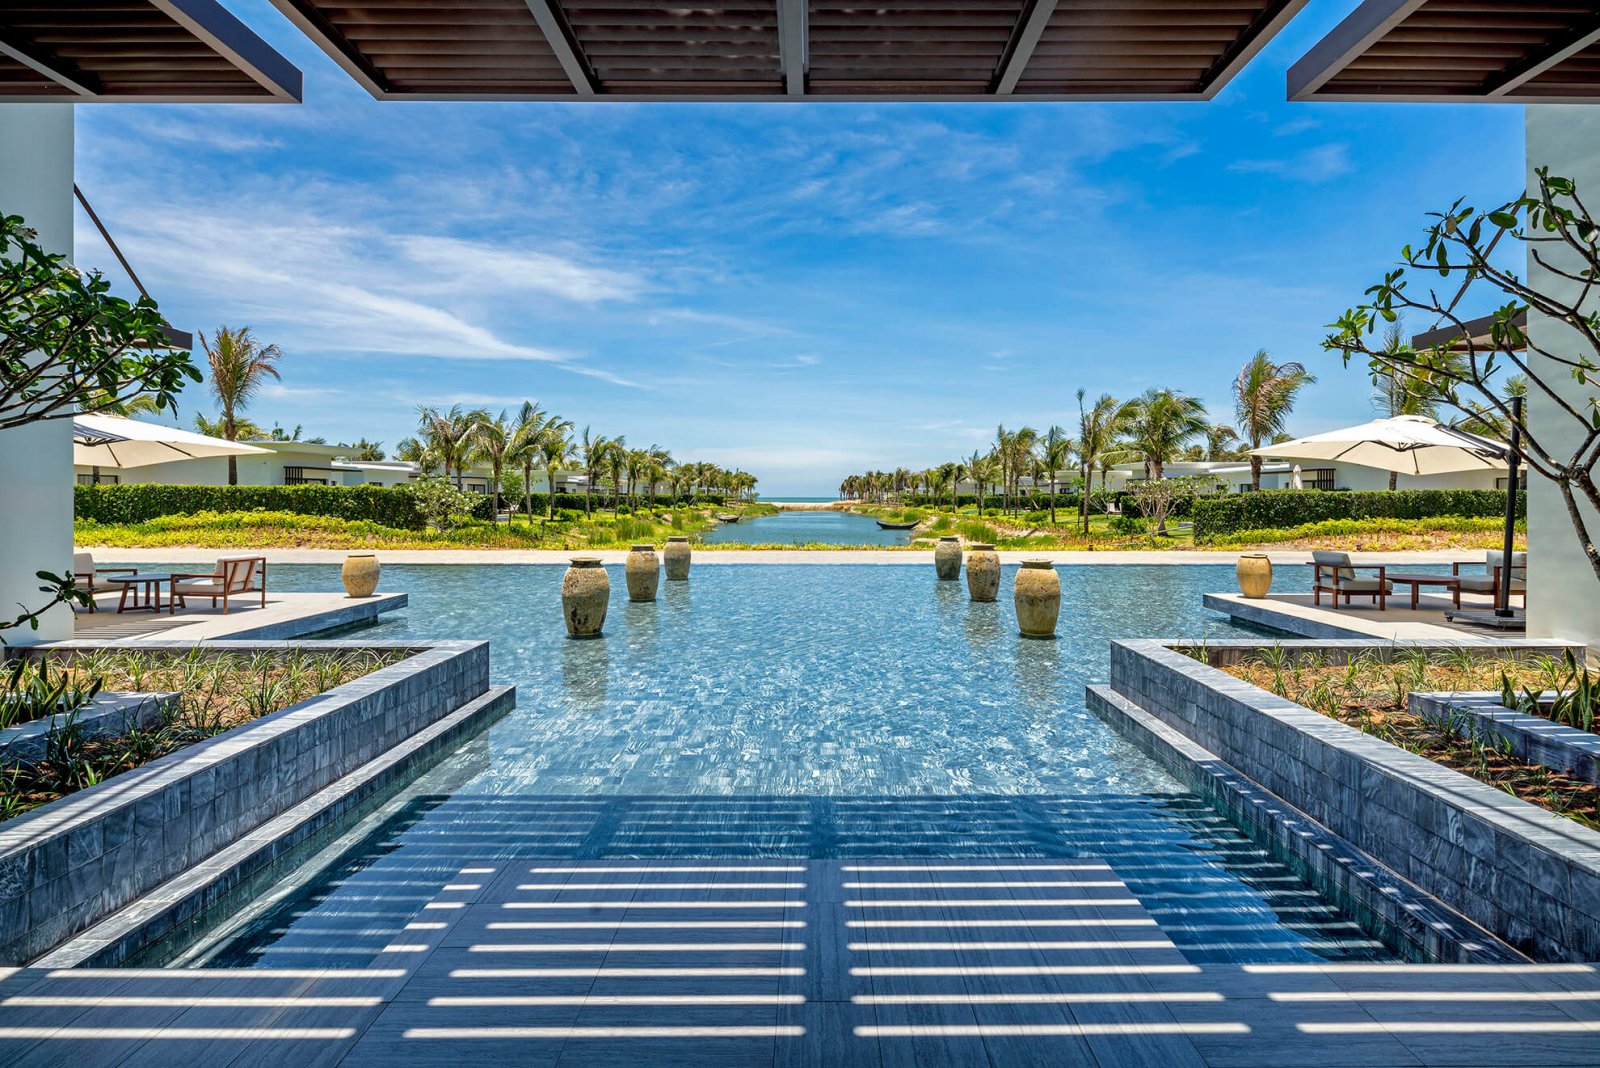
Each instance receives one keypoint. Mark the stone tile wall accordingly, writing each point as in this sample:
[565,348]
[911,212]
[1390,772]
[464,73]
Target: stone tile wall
[70,863]
[1530,877]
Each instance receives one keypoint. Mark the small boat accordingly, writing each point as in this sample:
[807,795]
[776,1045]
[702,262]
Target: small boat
[727,518]
[884,524]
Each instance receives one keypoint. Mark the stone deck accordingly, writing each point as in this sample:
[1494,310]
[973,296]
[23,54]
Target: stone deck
[949,963]
[1294,613]
[286,615]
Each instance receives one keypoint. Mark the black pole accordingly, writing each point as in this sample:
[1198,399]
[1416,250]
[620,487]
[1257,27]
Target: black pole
[1502,606]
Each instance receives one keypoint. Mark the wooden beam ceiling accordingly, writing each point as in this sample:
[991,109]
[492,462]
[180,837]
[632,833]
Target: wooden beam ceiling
[151,51]
[792,49]
[1505,51]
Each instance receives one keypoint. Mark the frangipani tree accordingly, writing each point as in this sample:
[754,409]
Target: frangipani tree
[1469,375]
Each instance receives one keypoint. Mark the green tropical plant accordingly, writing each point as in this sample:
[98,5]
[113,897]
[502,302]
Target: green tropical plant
[1055,455]
[554,449]
[239,367]
[1160,423]
[448,435]
[490,440]
[1263,396]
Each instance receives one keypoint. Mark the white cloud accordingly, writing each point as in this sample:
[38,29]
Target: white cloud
[1313,166]
[312,281]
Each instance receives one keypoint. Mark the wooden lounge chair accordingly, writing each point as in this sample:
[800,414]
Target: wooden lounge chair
[235,575]
[1335,574]
[1493,564]
[84,570]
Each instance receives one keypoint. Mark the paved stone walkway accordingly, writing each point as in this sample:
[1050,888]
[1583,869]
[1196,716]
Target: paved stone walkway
[838,963]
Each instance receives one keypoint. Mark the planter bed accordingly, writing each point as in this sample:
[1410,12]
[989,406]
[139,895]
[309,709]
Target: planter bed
[1529,877]
[74,861]
[107,716]
[1534,739]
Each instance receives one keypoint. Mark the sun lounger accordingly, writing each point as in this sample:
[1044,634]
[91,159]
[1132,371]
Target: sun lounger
[235,575]
[84,570]
[1335,574]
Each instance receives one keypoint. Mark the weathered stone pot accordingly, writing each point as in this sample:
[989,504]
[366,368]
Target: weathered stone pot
[947,558]
[1037,595]
[585,594]
[360,574]
[643,572]
[1255,575]
[676,557]
[983,573]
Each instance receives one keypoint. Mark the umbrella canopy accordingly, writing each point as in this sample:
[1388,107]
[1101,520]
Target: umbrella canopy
[107,441]
[1409,444]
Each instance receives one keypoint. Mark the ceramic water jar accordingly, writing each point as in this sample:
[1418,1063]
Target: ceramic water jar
[585,594]
[1037,595]
[676,556]
[643,572]
[983,573]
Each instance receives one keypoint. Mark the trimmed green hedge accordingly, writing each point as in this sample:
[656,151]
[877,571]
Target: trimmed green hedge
[1278,509]
[385,505]
[136,503]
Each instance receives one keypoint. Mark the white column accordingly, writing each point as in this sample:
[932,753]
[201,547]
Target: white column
[36,461]
[1564,595]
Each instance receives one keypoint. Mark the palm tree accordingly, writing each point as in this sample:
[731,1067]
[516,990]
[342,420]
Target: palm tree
[1222,443]
[1099,427]
[616,461]
[239,367]
[1263,397]
[1395,393]
[247,430]
[1161,423]
[984,469]
[554,447]
[592,452]
[1055,454]
[490,440]
[527,439]
[448,435]
[367,450]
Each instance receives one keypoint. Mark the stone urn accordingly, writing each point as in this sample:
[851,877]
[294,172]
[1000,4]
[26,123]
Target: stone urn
[360,574]
[947,559]
[983,573]
[676,557]
[643,572]
[585,594]
[1037,594]
[1255,575]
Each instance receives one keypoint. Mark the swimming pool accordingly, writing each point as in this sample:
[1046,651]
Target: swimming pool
[804,711]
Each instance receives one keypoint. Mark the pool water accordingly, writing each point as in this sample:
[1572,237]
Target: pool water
[807,711]
[807,528]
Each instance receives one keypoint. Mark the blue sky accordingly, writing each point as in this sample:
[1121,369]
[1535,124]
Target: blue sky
[799,290]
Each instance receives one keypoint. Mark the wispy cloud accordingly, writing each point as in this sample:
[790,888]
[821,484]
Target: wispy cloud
[1313,166]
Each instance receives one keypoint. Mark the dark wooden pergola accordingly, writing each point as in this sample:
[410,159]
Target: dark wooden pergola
[147,51]
[1507,51]
[791,49]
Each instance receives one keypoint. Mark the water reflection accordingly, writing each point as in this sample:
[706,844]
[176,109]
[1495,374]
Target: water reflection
[584,667]
[984,624]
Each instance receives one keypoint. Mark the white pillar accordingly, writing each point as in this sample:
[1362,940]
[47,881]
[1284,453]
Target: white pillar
[36,461]
[1564,595]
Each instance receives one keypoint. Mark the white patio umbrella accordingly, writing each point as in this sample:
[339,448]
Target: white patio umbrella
[110,441]
[1409,444]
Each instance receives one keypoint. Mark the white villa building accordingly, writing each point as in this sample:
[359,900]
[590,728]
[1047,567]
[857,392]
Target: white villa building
[299,463]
